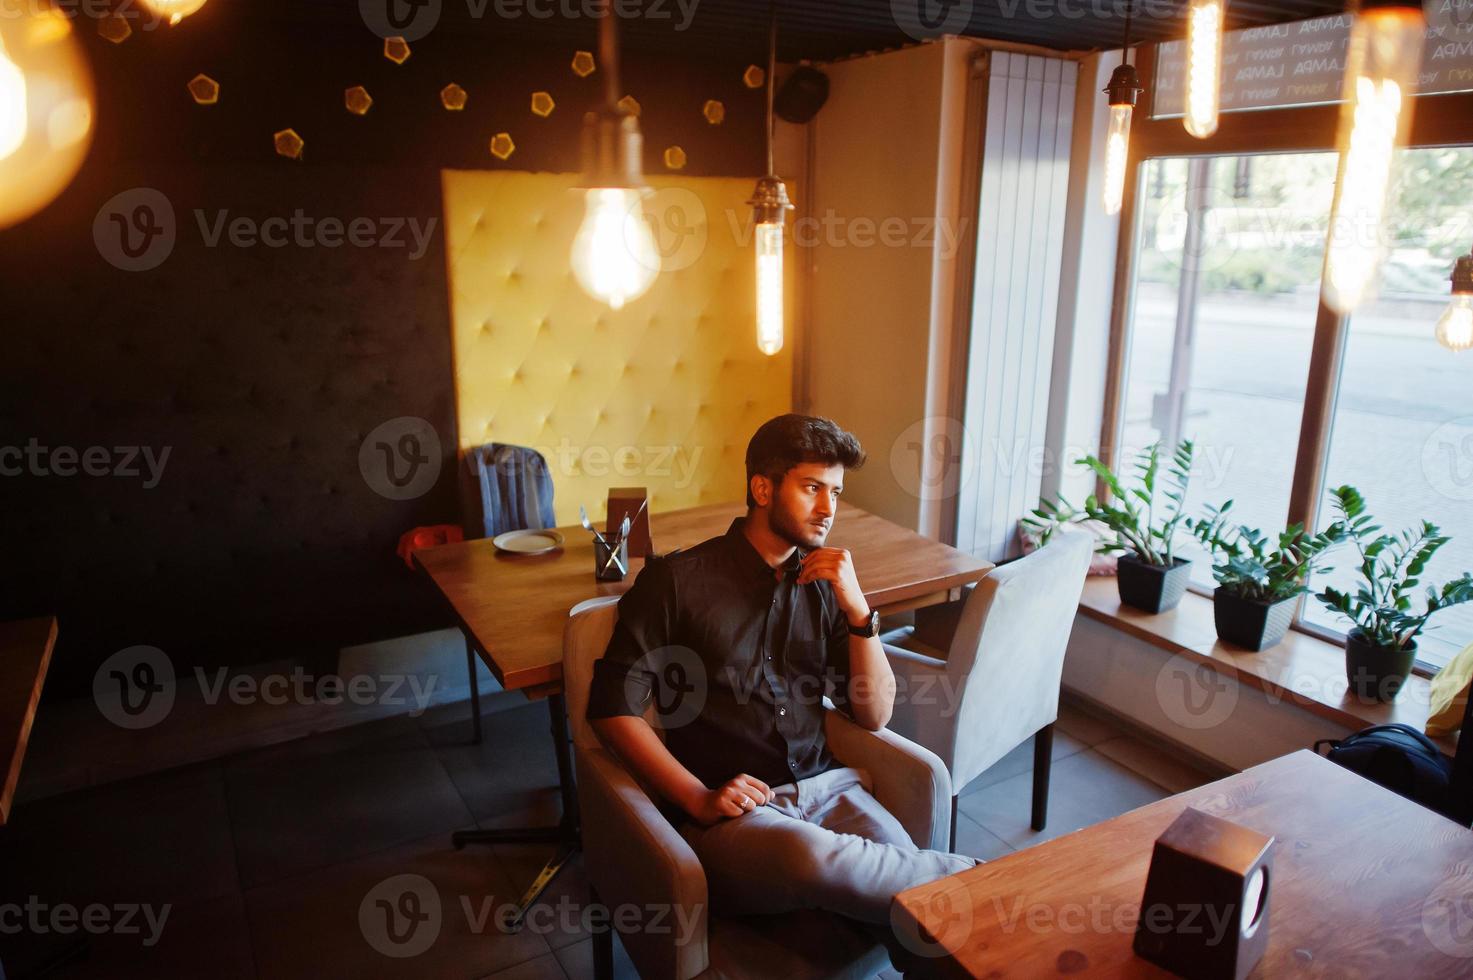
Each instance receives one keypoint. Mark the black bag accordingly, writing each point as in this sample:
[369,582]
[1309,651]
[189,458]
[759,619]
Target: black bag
[1399,758]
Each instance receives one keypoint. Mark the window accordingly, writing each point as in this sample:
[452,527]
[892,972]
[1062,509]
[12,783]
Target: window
[1228,251]
[1227,284]
[1403,427]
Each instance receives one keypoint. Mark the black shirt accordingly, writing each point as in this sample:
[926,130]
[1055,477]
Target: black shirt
[736,659]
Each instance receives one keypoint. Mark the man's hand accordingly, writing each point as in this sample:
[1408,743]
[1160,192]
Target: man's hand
[835,565]
[738,795]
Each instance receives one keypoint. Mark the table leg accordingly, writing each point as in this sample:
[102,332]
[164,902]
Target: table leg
[567,834]
[470,666]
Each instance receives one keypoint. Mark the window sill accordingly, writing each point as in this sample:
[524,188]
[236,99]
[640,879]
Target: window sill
[1303,670]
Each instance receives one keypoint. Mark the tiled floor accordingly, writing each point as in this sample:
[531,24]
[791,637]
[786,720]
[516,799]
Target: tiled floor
[287,862]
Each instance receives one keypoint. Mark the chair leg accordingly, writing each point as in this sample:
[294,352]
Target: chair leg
[1043,755]
[951,845]
[603,946]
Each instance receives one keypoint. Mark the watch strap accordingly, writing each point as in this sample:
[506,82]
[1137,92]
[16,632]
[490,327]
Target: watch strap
[870,628]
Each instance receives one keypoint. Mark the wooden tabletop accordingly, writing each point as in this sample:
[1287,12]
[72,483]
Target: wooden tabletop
[513,608]
[1365,884]
[25,653]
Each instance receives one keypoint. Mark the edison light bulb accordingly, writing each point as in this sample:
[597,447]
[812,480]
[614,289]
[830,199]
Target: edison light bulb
[1455,326]
[1204,66]
[45,108]
[769,242]
[1117,150]
[1121,94]
[175,10]
[1385,51]
[12,105]
[614,254]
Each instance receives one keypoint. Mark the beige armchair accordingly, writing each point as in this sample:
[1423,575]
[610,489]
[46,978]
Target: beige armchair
[998,684]
[636,860]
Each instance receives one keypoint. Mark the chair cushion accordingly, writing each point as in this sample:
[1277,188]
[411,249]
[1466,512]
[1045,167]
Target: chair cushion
[790,946]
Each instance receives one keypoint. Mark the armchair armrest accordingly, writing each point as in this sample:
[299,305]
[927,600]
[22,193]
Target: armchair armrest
[908,780]
[637,859]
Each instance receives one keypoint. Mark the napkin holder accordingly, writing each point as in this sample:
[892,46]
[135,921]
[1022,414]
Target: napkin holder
[627,501]
[1205,912]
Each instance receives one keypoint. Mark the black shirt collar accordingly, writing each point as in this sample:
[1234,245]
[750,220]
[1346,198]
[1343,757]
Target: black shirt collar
[750,559]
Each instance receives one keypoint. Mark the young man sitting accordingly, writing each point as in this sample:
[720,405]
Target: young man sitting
[736,640]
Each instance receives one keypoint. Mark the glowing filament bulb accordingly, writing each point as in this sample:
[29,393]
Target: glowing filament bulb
[1117,150]
[1455,326]
[1381,70]
[175,10]
[1204,66]
[769,288]
[614,255]
[12,105]
[45,107]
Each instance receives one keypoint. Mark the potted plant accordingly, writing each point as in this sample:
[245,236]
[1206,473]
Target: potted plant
[1258,580]
[1150,575]
[1380,648]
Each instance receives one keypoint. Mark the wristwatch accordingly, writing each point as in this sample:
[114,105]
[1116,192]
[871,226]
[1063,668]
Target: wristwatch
[871,628]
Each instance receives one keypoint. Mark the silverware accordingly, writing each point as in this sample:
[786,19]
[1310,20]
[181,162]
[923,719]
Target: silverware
[613,559]
[588,525]
[618,546]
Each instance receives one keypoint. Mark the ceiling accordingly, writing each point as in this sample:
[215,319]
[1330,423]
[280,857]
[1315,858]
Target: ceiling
[817,29]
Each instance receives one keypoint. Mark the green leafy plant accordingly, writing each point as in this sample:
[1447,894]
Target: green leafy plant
[1256,568]
[1129,515]
[1049,516]
[1391,564]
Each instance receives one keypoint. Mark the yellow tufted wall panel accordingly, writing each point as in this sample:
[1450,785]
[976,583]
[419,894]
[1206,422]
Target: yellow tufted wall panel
[664,393]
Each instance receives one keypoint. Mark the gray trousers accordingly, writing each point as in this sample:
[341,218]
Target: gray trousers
[823,842]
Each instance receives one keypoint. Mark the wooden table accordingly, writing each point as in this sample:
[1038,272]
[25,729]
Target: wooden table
[513,610]
[1365,884]
[25,653]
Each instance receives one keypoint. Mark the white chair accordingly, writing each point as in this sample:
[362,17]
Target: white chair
[998,684]
[635,859]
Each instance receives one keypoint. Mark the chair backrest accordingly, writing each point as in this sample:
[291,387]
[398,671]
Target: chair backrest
[585,638]
[505,488]
[1007,655]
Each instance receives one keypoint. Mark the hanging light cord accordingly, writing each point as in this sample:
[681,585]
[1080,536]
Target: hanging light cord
[771,72]
[608,54]
[1125,44]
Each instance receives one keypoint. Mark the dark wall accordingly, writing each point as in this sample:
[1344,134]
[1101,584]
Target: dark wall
[261,370]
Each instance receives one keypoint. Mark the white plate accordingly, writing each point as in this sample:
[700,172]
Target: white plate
[528,542]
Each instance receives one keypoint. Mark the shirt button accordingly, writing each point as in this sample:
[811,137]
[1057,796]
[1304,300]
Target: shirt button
[782,711]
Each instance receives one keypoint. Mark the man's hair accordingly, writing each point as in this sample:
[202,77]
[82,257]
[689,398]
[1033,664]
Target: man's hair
[787,440]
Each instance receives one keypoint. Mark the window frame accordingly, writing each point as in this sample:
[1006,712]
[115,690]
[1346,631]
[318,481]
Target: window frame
[1443,119]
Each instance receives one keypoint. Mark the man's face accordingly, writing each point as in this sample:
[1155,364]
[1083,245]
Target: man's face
[804,503]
